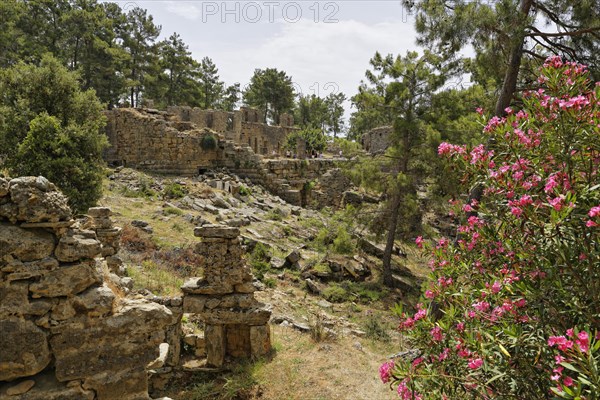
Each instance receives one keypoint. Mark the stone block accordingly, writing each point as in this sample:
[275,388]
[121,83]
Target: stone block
[129,384]
[238,340]
[38,200]
[215,345]
[25,350]
[260,340]
[77,247]
[67,280]
[25,244]
[17,270]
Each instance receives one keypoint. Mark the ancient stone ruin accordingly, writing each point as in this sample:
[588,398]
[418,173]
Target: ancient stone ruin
[159,141]
[377,140]
[236,324]
[66,331]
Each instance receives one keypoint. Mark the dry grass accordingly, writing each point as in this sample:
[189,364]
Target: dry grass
[304,370]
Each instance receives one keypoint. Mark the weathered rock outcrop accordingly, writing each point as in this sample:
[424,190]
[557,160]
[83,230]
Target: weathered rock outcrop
[64,333]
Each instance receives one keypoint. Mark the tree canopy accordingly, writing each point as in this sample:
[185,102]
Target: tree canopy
[50,127]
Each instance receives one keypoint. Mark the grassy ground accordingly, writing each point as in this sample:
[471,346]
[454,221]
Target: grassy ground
[299,369]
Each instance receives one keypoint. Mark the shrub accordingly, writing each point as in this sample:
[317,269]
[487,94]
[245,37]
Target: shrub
[520,287]
[208,142]
[343,243]
[335,293]
[245,191]
[50,127]
[173,190]
[172,211]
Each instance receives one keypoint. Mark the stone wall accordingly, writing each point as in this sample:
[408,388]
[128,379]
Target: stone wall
[377,140]
[152,140]
[66,332]
[163,142]
[244,126]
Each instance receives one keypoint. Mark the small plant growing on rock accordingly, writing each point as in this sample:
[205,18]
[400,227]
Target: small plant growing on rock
[208,142]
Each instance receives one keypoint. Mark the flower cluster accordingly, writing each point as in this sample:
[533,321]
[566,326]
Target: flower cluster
[524,264]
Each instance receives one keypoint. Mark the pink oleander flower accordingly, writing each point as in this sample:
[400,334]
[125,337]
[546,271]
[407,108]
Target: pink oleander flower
[419,242]
[481,306]
[475,363]
[436,334]
[567,381]
[385,371]
[594,212]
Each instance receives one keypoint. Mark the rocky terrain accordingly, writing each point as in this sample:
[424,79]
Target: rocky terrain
[106,312]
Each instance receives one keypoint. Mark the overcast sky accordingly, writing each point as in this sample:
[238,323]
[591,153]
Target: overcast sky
[324,46]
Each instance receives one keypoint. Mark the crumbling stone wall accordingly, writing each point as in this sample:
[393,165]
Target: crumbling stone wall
[377,140]
[65,330]
[236,324]
[244,126]
[153,140]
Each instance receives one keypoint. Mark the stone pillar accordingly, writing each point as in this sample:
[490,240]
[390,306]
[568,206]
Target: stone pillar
[236,323]
[214,335]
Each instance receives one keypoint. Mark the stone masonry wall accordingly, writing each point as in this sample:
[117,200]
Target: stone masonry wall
[377,140]
[152,141]
[65,330]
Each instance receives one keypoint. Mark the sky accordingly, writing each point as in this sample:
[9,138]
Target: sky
[325,46]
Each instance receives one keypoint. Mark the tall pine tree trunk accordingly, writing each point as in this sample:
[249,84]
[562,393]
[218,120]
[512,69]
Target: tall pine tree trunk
[391,236]
[509,86]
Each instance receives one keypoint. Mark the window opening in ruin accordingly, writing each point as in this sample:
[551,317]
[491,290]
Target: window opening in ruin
[230,123]
[209,120]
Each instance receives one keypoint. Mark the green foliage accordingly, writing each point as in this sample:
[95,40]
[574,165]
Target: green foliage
[259,261]
[335,293]
[209,142]
[343,242]
[314,139]
[172,211]
[375,330]
[50,127]
[245,191]
[335,235]
[173,190]
[271,91]
[349,148]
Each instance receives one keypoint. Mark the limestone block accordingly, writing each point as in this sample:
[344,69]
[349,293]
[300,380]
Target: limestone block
[67,280]
[96,301]
[14,301]
[38,200]
[25,244]
[260,340]
[216,231]
[253,316]
[77,247]
[24,347]
[99,212]
[17,270]
[201,286]
[20,388]
[48,388]
[131,384]
[194,304]
[215,345]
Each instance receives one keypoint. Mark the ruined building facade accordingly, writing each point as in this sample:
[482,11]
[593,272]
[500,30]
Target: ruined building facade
[243,126]
[377,140]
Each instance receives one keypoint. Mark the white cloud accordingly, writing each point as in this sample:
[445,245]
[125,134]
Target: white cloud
[184,9]
[316,54]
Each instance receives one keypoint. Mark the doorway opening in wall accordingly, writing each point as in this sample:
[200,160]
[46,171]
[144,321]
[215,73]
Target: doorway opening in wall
[202,170]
